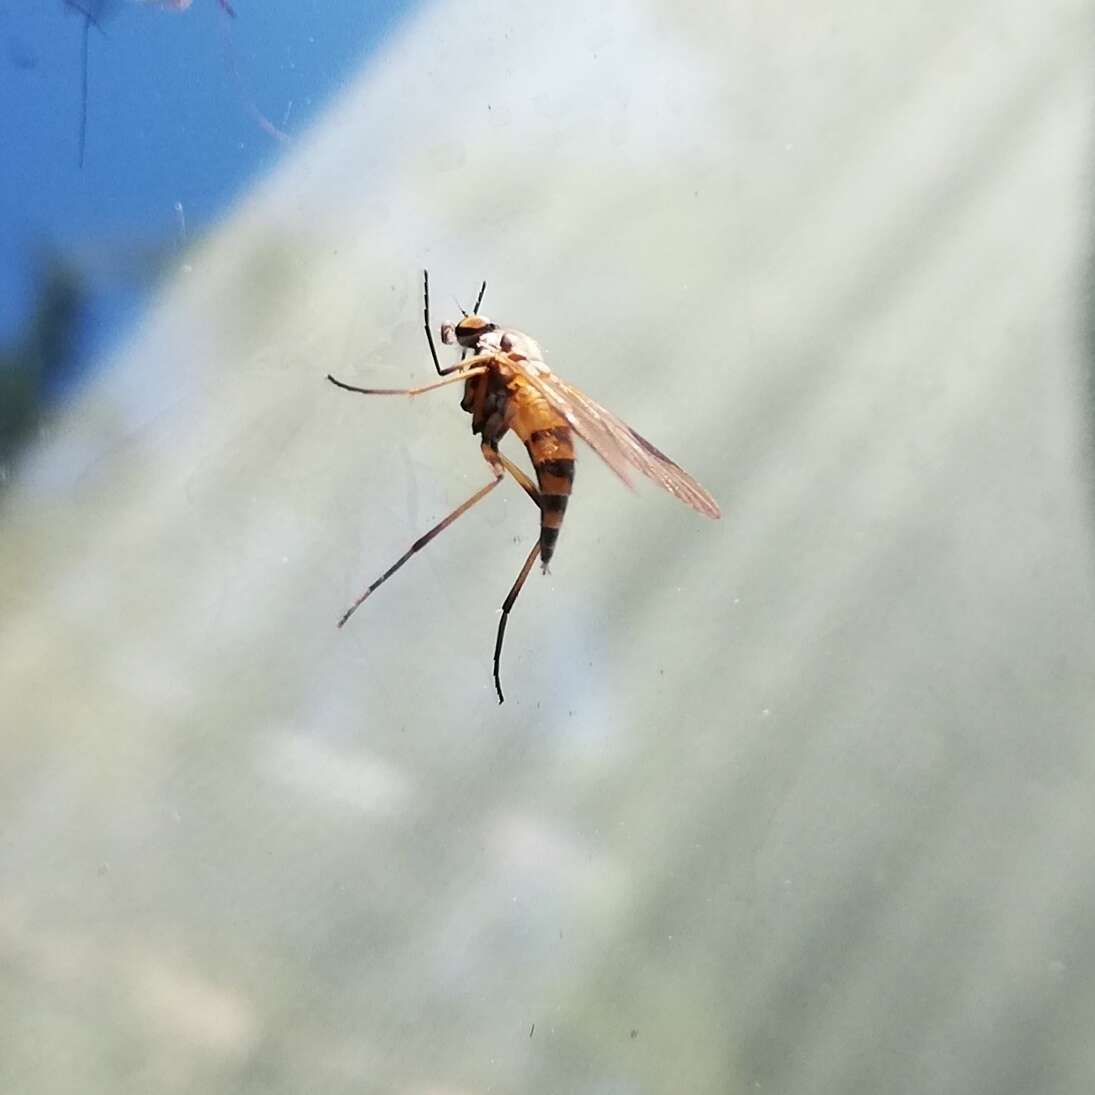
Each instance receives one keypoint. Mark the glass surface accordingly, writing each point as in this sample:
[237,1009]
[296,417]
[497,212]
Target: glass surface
[797,801]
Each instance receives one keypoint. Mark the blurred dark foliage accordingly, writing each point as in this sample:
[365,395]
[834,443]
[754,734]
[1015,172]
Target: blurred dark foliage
[30,366]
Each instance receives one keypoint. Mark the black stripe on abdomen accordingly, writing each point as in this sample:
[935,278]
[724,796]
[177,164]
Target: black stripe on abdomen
[552,433]
[564,469]
[552,508]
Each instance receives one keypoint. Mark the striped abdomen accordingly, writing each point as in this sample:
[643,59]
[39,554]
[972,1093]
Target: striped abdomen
[550,446]
[552,452]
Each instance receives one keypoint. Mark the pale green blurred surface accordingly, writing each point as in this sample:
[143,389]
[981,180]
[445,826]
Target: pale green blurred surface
[797,802]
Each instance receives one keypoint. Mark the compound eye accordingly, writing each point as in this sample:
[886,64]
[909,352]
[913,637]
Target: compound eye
[470,330]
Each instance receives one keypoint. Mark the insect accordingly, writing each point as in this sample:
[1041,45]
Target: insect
[95,12]
[507,387]
[91,11]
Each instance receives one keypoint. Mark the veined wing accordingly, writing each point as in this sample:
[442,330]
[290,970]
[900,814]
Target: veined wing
[614,441]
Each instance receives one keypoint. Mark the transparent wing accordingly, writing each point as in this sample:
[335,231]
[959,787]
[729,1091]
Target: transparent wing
[615,442]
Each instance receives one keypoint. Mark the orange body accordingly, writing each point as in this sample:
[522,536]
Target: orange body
[501,400]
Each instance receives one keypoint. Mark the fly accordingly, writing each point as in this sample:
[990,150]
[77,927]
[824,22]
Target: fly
[508,387]
[94,12]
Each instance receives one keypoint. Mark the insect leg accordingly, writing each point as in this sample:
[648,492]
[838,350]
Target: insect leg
[231,59]
[429,333]
[83,85]
[507,604]
[426,320]
[423,540]
[410,391]
[530,488]
[523,481]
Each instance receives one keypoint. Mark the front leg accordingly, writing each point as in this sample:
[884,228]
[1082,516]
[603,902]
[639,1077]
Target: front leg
[462,375]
